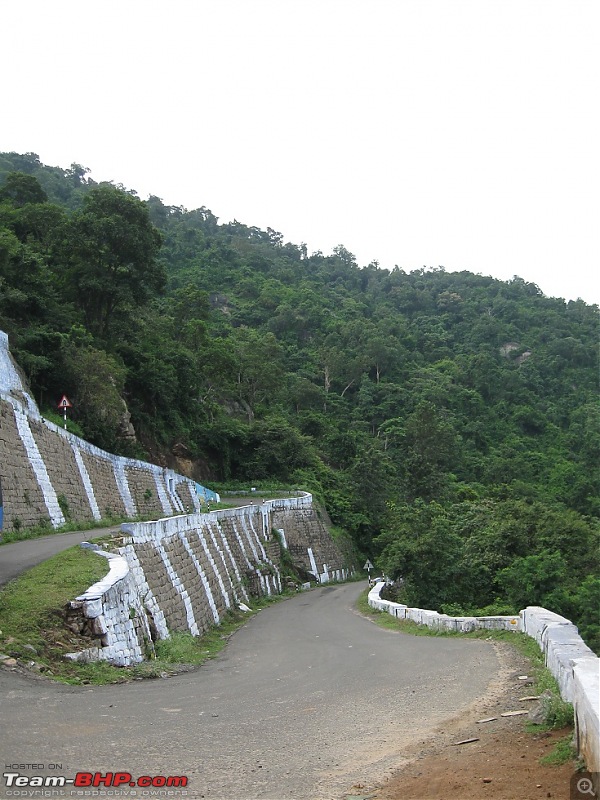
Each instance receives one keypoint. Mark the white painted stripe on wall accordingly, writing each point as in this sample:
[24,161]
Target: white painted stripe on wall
[233,561]
[203,578]
[179,588]
[123,487]
[257,539]
[41,473]
[251,539]
[208,527]
[162,494]
[214,566]
[313,563]
[85,477]
[241,543]
[150,601]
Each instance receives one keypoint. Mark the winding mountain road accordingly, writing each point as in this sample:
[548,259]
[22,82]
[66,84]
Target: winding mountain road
[308,700]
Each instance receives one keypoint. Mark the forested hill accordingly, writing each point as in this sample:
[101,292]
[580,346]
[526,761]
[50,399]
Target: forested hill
[448,420]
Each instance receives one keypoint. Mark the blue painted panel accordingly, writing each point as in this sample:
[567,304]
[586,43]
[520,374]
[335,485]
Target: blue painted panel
[206,494]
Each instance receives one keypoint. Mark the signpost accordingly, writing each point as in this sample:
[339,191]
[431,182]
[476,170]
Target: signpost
[63,405]
[368,566]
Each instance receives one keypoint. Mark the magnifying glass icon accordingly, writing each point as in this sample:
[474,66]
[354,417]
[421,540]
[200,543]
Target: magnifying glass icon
[585,786]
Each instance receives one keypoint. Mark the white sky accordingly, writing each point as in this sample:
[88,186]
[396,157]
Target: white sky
[461,133]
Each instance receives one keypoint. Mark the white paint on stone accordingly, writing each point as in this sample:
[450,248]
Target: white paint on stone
[11,386]
[233,561]
[250,539]
[41,473]
[149,600]
[226,570]
[162,494]
[241,543]
[213,563]
[178,586]
[313,563]
[281,532]
[202,574]
[85,478]
[123,486]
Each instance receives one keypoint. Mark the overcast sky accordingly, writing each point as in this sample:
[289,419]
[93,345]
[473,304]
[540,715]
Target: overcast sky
[455,133]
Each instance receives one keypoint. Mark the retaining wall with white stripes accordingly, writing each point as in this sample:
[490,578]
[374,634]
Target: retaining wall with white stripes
[50,476]
[178,574]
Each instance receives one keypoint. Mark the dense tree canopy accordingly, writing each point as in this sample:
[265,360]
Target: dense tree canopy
[449,420]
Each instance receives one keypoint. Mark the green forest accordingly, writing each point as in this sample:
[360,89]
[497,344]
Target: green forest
[448,421]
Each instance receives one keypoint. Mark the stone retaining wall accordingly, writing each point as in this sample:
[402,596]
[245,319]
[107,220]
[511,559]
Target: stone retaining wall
[50,476]
[575,667]
[184,573]
[308,539]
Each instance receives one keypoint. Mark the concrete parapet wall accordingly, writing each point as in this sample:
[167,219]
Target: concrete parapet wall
[433,619]
[575,667]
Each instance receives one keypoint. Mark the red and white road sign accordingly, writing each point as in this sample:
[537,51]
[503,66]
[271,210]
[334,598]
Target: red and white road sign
[65,402]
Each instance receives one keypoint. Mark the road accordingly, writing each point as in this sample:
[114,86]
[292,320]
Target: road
[308,700]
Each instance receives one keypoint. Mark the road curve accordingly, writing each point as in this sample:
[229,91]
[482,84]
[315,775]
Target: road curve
[308,700]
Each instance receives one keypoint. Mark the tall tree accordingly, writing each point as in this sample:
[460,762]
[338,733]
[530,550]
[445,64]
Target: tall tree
[110,248]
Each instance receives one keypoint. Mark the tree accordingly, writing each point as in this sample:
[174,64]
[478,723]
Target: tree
[21,189]
[110,248]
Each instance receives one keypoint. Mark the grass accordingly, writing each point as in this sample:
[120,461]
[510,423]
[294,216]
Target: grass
[563,752]
[31,606]
[32,616]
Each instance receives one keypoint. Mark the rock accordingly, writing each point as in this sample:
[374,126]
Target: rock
[537,715]
[10,662]
[30,647]
[486,780]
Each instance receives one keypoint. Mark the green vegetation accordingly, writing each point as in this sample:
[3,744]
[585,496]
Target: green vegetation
[32,607]
[447,421]
[32,616]
[563,752]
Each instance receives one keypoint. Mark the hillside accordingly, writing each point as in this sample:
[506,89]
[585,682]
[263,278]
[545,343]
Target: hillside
[448,420]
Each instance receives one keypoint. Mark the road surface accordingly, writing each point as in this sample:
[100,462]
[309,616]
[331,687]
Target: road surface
[307,701]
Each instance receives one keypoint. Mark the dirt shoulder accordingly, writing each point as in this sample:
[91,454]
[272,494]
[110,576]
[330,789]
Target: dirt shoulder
[503,763]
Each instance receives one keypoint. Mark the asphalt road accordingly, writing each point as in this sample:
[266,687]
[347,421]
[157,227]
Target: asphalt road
[308,700]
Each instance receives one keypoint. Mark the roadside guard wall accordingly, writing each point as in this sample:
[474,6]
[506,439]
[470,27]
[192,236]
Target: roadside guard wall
[575,667]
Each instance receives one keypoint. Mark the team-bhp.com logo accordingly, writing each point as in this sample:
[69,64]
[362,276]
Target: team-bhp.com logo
[15,781]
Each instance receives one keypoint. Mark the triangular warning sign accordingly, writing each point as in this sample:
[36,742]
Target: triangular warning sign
[65,402]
